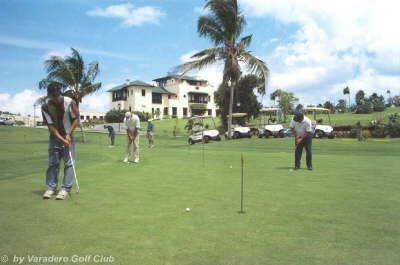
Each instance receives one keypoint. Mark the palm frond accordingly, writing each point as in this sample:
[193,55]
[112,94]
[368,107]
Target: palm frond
[44,83]
[204,58]
[257,67]
[40,101]
[244,42]
[207,26]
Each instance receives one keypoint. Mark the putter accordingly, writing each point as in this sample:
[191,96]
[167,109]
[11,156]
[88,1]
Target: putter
[73,167]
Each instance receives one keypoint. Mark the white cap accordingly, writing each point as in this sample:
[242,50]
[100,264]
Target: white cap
[128,114]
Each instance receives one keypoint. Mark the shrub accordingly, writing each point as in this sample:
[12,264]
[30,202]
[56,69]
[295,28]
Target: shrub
[114,116]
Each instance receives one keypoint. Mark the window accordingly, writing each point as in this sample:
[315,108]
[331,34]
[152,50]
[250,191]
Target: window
[100,117]
[156,98]
[143,92]
[209,112]
[82,117]
[165,111]
[87,118]
[94,117]
[198,98]
[185,112]
[130,108]
[174,111]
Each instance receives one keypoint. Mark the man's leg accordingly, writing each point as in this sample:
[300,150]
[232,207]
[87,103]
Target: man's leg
[113,139]
[297,154]
[136,149]
[54,163]
[68,169]
[128,149]
[308,146]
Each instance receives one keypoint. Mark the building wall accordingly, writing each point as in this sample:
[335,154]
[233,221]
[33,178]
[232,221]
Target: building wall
[182,89]
[180,100]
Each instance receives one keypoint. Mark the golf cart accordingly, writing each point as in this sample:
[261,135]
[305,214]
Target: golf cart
[270,119]
[7,121]
[239,129]
[200,130]
[320,130]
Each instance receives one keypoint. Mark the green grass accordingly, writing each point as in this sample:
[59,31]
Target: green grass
[165,127]
[346,211]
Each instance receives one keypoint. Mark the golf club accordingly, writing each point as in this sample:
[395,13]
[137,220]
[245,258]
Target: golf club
[73,167]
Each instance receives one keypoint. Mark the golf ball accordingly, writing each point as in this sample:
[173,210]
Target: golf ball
[187,209]
[291,170]
[230,166]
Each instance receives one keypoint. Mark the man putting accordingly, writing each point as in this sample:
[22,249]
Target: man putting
[303,132]
[61,115]
[132,124]
[150,133]
[111,134]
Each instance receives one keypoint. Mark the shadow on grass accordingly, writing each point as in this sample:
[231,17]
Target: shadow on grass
[38,193]
[284,168]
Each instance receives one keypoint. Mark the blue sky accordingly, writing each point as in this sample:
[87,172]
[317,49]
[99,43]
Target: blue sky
[313,49]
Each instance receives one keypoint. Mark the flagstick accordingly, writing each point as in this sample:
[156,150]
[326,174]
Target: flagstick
[241,186]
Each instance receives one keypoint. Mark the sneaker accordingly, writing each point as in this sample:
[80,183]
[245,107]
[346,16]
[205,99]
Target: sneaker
[62,195]
[296,168]
[310,168]
[126,160]
[48,193]
[136,160]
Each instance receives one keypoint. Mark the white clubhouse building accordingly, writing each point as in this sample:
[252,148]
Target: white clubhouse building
[175,96]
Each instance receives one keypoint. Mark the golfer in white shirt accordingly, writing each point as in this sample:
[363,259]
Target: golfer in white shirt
[132,124]
[303,132]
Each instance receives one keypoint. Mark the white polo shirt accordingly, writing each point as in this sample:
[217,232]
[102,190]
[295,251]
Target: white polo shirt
[301,128]
[132,123]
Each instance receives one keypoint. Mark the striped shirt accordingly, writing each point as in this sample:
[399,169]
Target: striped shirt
[60,115]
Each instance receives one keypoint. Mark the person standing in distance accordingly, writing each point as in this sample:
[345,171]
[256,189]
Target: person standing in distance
[303,132]
[111,134]
[132,124]
[61,115]
[150,133]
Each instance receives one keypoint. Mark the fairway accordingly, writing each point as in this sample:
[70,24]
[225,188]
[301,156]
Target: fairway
[346,211]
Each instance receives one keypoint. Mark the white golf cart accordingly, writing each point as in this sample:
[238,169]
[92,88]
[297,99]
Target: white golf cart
[200,131]
[320,129]
[239,128]
[270,119]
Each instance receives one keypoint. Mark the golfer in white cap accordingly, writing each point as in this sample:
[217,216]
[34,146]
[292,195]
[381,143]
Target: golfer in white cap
[132,124]
[303,132]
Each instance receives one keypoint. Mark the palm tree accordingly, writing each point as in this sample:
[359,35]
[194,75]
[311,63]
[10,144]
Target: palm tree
[346,90]
[75,79]
[223,25]
[390,99]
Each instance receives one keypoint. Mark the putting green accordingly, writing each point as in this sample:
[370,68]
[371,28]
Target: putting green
[346,211]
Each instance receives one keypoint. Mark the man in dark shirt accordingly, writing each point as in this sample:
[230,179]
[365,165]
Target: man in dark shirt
[61,115]
[111,134]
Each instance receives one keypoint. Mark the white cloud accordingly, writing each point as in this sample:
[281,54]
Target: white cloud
[338,43]
[212,73]
[20,102]
[130,15]
[98,102]
[55,48]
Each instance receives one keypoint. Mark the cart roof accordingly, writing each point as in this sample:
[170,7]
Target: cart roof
[316,109]
[239,115]
[199,117]
[266,110]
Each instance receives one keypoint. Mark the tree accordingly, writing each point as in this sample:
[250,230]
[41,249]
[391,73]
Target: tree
[275,95]
[223,25]
[299,108]
[389,98]
[346,91]
[286,103]
[328,105]
[74,78]
[360,97]
[378,102]
[244,98]
[341,106]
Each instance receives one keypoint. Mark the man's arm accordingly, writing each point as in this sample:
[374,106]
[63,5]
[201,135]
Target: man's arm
[57,134]
[74,124]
